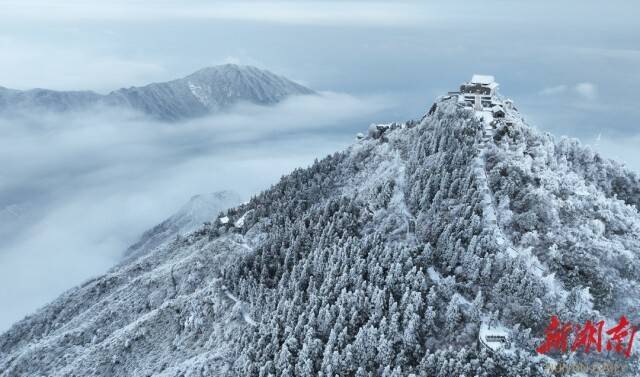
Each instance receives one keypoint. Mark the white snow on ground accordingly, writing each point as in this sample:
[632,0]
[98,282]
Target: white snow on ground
[240,241]
[386,169]
[224,220]
[198,92]
[484,115]
[434,275]
[554,286]
[240,222]
[243,307]
[488,200]
[398,200]
[462,300]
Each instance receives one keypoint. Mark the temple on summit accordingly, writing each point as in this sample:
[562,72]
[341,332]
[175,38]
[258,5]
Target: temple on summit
[480,92]
[480,84]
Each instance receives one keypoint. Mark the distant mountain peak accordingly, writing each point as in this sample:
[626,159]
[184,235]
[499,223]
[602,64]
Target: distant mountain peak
[208,90]
[225,67]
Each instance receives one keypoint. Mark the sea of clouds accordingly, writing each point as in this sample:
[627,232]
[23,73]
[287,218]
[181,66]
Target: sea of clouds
[77,189]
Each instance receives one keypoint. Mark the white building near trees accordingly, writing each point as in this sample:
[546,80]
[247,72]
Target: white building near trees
[480,91]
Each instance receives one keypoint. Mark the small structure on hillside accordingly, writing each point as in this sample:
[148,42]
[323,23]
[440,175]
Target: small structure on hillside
[498,111]
[509,104]
[494,337]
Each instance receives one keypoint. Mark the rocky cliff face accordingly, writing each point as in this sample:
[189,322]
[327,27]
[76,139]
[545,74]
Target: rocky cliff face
[386,258]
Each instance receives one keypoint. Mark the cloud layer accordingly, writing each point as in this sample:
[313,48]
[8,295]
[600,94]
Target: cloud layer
[584,90]
[83,187]
[288,12]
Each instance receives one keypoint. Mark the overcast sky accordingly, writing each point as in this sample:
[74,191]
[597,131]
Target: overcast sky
[572,67]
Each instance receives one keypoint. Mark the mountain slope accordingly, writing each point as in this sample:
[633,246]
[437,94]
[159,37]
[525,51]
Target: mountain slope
[13,101]
[383,259]
[203,92]
[197,211]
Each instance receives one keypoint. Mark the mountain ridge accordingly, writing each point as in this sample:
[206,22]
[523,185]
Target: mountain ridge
[206,91]
[192,215]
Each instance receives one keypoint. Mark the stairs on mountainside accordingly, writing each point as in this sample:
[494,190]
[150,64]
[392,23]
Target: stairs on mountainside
[489,202]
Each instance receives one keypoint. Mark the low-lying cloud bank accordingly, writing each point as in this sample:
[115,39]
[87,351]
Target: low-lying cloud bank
[77,189]
[585,90]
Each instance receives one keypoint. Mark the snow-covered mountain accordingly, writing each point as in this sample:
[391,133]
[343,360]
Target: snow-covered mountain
[399,256]
[203,92]
[198,210]
[15,101]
